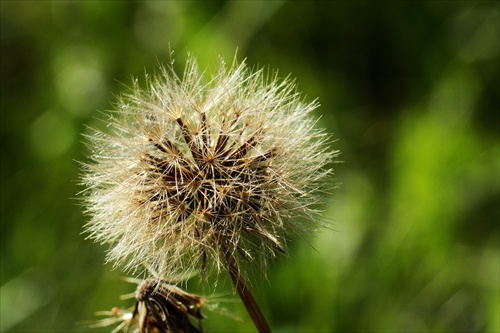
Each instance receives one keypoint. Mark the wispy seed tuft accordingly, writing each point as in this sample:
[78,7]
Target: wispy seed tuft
[201,173]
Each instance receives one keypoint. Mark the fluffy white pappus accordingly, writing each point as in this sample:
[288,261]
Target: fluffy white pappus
[203,173]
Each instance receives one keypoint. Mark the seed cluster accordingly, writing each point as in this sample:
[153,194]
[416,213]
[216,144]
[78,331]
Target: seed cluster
[204,173]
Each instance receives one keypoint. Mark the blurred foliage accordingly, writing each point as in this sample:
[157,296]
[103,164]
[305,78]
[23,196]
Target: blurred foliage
[410,89]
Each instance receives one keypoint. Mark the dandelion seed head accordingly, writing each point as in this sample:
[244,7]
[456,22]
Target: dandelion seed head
[196,169]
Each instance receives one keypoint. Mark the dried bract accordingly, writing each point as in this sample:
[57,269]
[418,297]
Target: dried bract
[159,307]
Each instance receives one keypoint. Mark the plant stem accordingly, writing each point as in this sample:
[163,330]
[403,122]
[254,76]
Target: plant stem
[248,300]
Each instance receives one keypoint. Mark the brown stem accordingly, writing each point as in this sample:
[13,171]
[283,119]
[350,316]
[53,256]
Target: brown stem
[248,300]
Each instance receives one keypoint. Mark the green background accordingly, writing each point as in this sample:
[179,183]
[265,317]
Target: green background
[409,88]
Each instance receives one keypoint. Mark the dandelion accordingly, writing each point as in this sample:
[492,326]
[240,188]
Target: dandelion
[159,307]
[206,173]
